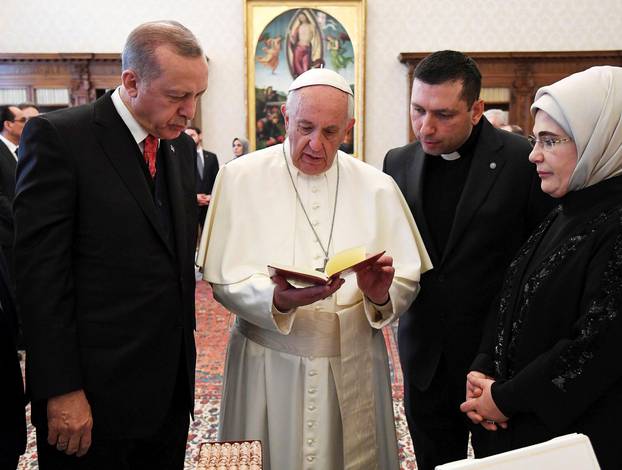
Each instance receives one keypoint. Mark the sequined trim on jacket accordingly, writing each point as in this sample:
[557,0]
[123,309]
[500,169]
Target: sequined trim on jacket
[601,310]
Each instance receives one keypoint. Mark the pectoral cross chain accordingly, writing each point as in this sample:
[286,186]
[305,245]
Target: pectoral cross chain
[323,268]
[332,224]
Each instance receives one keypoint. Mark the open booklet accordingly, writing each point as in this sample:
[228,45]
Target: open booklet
[339,264]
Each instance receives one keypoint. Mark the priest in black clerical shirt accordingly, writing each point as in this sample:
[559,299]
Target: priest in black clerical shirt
[442,186]
[475,198]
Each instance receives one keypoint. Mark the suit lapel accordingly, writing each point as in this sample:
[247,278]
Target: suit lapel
[117,143]
[176,196]
[486,166]
[414,197]
[8,157]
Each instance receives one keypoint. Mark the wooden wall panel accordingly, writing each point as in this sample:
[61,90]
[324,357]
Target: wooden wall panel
[83,74]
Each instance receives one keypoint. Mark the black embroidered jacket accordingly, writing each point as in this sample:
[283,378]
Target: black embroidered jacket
[554,342]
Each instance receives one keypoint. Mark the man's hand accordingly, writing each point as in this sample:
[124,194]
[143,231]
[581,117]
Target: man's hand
[374,280]
[287,296]
[70,423]
[203,199]
[479,405]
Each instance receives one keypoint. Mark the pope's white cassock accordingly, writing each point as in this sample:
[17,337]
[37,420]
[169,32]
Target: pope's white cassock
[312,384]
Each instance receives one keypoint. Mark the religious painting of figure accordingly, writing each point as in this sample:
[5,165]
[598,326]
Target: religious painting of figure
[271,49]
[304,42]
[283,42]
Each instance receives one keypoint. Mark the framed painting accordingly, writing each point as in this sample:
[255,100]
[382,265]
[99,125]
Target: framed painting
[283,40]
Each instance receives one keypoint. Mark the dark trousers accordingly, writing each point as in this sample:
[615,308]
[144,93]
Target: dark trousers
[440,431]
[9,462]
[15,321]
[164,450]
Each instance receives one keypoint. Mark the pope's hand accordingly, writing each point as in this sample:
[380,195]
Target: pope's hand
[374,280]
[287,296]
[70,423]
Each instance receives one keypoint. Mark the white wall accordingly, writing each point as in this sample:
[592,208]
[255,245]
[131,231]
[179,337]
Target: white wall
[393,26]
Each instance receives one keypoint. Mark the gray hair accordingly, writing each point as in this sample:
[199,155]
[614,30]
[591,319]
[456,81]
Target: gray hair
[141,44]
[290,102]
[497,117]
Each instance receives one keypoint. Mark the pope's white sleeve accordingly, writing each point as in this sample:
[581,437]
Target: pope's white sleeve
[251,299]
[401,294]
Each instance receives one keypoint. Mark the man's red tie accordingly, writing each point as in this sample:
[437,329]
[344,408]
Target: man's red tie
[151,149]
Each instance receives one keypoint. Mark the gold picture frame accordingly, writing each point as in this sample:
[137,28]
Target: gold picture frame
[283,39]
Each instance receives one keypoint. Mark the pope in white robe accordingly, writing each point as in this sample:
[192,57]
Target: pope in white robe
[307,369]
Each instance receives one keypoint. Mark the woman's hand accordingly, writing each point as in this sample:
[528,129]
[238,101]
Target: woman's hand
[479,405]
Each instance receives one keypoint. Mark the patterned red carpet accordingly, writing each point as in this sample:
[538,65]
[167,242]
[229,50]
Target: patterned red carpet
[213,323]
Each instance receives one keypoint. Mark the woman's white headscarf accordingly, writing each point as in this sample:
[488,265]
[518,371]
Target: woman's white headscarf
[588,106]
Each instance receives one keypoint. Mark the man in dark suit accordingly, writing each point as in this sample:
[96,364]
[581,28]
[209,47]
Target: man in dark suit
[206,170]
[12,120]
[475,198]
[105,221]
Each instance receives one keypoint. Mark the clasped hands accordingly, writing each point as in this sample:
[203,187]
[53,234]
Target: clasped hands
[373,280]
[203,199]
[479,405]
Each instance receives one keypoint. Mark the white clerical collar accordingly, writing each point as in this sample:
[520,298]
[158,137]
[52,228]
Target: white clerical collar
[450,156]
[138,132]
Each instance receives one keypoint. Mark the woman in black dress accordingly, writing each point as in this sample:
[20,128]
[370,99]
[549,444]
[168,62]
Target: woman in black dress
[550,362]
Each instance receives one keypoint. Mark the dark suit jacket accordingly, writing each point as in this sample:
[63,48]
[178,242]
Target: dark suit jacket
[500,205]
[205,181]
[7,192]
[12,401]
[107,302]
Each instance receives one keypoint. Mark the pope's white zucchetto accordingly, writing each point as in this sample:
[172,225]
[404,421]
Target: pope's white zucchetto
[588,106]
[327,77]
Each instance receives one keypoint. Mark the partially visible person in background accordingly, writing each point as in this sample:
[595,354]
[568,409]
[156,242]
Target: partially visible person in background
[206,170]
[496,117]
[240,147]
[513,128]
[12,122]
[549,361]
[29,110]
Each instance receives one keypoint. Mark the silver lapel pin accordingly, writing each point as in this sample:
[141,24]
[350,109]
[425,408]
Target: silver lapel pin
[172,149]
[493,165]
